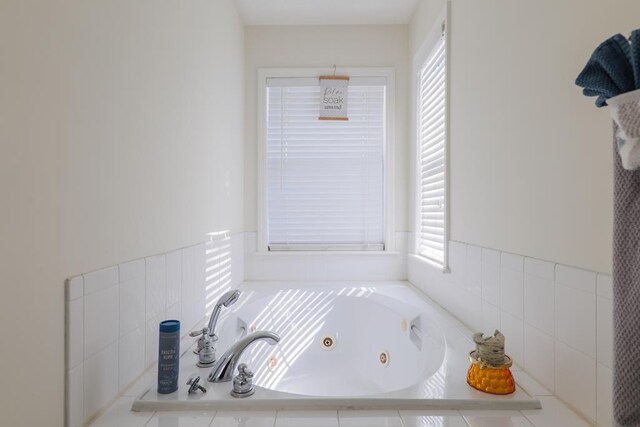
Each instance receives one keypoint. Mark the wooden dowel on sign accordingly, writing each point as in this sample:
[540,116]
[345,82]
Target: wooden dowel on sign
[334,78]
[334,118]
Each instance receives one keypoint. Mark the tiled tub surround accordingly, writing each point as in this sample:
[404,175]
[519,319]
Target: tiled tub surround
[426,369]
[112,316]
[553,413]
[557,319]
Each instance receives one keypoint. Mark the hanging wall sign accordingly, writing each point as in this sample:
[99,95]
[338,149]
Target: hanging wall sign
[333,97]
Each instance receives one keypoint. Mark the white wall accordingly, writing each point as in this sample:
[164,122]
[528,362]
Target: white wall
[116,145]
[530,156]
[530,170]
[323,46]
[423,20]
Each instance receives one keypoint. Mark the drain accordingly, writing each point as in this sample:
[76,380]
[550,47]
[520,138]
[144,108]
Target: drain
[328,342]
[272,362]
[384,358]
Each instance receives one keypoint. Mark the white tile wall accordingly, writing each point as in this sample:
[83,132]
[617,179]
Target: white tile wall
[553,414]
[132,296]
[74,288]
[436,419]
[131,357]
[151,336]
[458,263]
[74,397]
[490,317]
[307,418]
[174,278]
[513,328]
[491,276]
[539,356]
[369,419]
[604,286]
[248,419]
[75,332]
[604,395]
[512,285]
[100,380]
[604,332]
[188,291]
[576,379]
[576,318]
[100,280]
[187,419]
[120,415]
[557,319]
[474,269]
[156,286]
[539,301]
[495,419]
[112,317]
[100,320]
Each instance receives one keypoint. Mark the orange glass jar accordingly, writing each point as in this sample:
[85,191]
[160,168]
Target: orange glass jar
[488,378]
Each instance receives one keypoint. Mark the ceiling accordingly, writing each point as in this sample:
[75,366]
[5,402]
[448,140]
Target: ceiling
[325,12]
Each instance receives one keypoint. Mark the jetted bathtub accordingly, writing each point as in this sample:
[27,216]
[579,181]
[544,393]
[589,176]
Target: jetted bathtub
[343,346]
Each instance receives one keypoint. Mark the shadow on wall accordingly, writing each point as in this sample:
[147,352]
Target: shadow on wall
[218,268]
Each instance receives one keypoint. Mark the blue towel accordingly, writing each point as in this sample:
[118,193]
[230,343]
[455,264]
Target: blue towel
[613,69]
[635,56]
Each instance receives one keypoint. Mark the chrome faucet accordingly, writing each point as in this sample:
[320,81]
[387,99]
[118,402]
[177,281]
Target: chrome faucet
[223,369]
[207,335]
[227,299]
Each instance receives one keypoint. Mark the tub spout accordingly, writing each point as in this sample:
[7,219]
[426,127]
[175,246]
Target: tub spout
[223,369]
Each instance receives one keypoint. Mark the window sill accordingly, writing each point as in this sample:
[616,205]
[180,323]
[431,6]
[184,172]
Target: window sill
[431,264]
[324,253]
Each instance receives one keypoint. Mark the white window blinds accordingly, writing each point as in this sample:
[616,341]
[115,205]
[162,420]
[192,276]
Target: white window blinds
[432,164]
[325,179]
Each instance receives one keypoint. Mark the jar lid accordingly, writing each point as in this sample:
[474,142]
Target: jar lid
[170,326]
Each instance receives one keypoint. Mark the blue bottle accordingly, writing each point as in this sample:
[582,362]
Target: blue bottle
[169,356]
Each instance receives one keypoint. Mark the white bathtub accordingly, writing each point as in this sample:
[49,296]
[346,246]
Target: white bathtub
[343,346]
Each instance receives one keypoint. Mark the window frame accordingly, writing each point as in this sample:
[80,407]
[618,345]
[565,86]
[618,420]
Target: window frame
[441,29]
[389,158]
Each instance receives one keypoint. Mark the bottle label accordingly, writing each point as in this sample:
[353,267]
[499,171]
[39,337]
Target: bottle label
[168,362]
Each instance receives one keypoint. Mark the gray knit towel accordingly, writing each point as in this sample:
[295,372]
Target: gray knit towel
[625,111]
[626,295]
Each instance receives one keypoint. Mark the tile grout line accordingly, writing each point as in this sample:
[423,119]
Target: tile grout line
[213,418]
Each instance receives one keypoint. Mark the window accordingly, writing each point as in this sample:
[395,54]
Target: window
[432,165]
[324,180]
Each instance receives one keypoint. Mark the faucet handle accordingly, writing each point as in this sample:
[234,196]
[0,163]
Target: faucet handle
[244,371]
[203,331]
[243,382]
[202,341]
